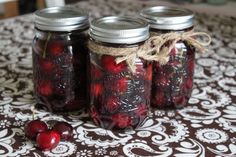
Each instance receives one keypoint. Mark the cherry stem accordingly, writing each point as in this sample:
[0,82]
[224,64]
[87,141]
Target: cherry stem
[46,44]
[33,114]
[33,111]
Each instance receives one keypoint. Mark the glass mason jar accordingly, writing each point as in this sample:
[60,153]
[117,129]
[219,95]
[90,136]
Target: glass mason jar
[119,97]
[172,83]
[59,59]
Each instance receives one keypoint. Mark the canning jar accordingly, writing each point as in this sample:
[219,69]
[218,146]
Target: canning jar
[172,82]
[59,58]
[119,91]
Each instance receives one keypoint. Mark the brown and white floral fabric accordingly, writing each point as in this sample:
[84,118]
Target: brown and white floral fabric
[206,127]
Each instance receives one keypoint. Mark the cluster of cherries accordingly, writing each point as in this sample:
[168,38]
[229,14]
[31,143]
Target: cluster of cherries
[118,97]
[47,139]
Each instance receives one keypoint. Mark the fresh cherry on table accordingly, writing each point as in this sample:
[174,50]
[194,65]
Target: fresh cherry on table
[47,140]
[64,129]
[34,127]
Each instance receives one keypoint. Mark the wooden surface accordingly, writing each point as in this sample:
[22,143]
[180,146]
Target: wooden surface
[11,9]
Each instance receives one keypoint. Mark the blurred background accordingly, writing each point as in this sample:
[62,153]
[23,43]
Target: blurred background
[11,8]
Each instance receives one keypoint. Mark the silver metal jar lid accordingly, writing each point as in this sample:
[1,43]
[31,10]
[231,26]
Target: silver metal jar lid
[61,19]
[119,29]
[168,18]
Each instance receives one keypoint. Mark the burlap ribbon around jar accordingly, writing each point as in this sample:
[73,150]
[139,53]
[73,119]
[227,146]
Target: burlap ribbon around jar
[153,49]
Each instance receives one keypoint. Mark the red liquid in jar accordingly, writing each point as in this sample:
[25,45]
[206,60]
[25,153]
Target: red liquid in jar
[59,70]
[119,99]
[172,83]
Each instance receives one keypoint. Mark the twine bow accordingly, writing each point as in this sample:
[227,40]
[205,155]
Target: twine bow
[154,49]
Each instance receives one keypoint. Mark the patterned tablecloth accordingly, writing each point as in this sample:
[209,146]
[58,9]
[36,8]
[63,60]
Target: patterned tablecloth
[206,127]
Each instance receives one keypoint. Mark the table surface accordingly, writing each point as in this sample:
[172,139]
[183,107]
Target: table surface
[206,127]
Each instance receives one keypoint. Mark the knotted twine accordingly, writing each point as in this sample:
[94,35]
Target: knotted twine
[153,49]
